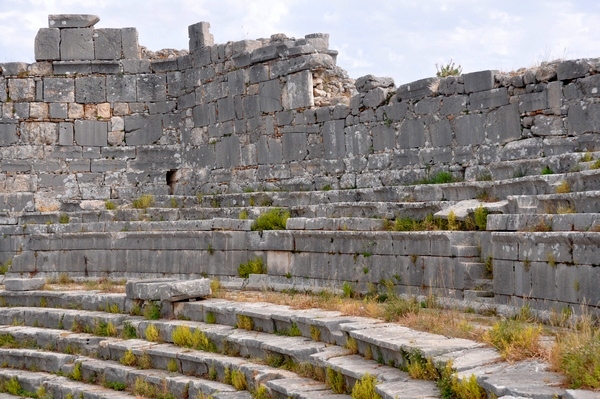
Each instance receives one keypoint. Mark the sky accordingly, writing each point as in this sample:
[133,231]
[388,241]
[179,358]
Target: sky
[403,39]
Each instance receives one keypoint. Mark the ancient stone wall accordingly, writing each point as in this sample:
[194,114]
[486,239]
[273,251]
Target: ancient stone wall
[93,120]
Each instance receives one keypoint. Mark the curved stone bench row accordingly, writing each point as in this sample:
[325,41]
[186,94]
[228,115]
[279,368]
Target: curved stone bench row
[573,202]
[551,222]
[389,343]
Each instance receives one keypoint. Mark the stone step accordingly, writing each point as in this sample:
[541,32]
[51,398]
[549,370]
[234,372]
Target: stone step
[541,222]
[333,224]
[60,387]
[573,202]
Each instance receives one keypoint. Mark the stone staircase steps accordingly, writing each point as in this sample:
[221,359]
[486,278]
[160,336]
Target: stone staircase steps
[60,387]
[552,222]
[389,343]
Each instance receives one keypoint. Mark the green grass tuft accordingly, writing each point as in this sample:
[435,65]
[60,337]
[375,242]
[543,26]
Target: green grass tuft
[253,266]
[273,219]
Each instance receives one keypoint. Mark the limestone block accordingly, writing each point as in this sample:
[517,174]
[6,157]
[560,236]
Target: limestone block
[58,110]
[65,133]
[76,44]
[106,67]
[451,85]
[441,133]
[412,134]
[367,83]
[59,90]
[375,97]
[130,46]
[579,394]
[38,111]
[13,68]
[529,102]
[333,139]
[47,44]
[478,81]
[384,138]
[90,89]
[504,277]
[303,62]
[3,95]
[24,284]
[269,151]
[20,90]
[21,110]
[548,126]
[199,36]
[298,91]
[572,69]
[428,106]
[590,85]
[107,44]
[121,88]
[72,67]
[151,87]
[8,134]
[39,132]
[544,276]
[142,129]
[504,124]
[62,21]
[167,289]
[204,115]
[91,133]
[294,146]
[227,152]
[583,119]
[225,109]
[175,85]
[270,96]
[236,82]
[488,99]
[136,66]
[417,89]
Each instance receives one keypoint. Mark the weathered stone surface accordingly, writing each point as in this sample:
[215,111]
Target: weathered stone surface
[418,89]
[77,44]
[24,284]
[200,36]
[298,91]
[91,133]
[478,81]
[47,44]
[107,44]
[21,90]
[62,21]
[572,69]
[367,83]
[167,289]
[90,89]
[129,44]
[142,129]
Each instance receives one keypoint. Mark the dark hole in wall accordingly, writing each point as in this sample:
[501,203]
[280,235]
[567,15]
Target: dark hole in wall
[172,180]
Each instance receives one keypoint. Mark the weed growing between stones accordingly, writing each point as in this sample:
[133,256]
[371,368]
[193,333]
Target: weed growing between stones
[261,392]
[145,201]
[115,385]
[144,361]
[152,310]
[421,369]
[152,333]
[351,345]
[576,353]
[63,218]
[212,373]
[210,318]
[243,215]
[315,333]
[336,381]
[112,308]
[450,69]
[253,266]
[128,358]
[238,380]
[563,188]
[348,290]
[547,170]
[41,393]
[135,310]
[143,388]
[439,178]
[104,329]
[12,386]
[76,373]
[595,165]
[244,322]
[5,267]
[515,340]
[183,336]
[480,214]
[109,205]
[365,388]
[273,219]
[172,366]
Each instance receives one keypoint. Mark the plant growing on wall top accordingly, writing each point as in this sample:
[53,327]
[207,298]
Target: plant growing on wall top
[450,69]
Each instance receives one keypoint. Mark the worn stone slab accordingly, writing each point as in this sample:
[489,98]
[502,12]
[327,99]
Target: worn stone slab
[47,44]
[24,284]
[465,208]
[77,44]
[62,21]
[408,389]
[580,394]
[167,289]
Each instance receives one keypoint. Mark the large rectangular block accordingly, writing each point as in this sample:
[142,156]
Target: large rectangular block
[294,146]
[59,89]
[298,91]
[151,87]
[478,81]
[77,44]
[270,96]
[142,129]
[121,88]
[488,99]
[90,89]
[532,101]
[417,90]
[334,143]
[205,114]
[21,89]
[384,138]
[47,44]
[8,134]
[63,21]
[107,44]
[504,124]
[167,289]
[412,134]
[227,152]
[470,129]
[91,133]
[129,43]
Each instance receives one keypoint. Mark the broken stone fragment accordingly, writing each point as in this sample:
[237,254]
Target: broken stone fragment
[72,20]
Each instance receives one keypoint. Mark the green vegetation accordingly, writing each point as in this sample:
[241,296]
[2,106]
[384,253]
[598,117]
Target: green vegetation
[351,345]
[5,267]
[76,373]
[480,215]
[547,171]
[514,339]
[104,329]
[63,218]
[238,380]
[261,392]
[365,388]
[336,381]
[439,178]
[152,310]
[183,336]
[563,188]
[109,205]
[253,266]
[595,165]
[450,69]
[210,318]
[152,333]
[243,215]
[115,385]
[128,358]
[273,219]
[143,202]
[244,322]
